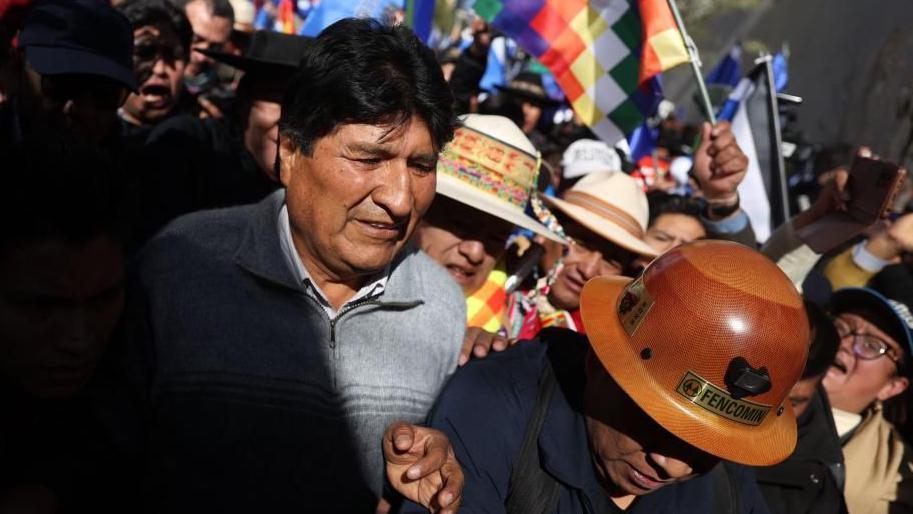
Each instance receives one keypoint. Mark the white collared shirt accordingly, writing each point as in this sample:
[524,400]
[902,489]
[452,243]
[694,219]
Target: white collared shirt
[371,289]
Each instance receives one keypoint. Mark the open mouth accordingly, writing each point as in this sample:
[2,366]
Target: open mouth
[839,366]
[155,95]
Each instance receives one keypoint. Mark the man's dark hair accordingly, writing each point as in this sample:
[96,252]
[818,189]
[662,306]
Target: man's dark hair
[54,186]
[159,13]
[218,8]
[359,71]
[824,343]
[665,203]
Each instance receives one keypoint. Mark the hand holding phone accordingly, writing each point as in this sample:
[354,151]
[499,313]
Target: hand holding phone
[848,209]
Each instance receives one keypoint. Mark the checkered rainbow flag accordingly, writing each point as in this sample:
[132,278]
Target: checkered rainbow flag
[605,54]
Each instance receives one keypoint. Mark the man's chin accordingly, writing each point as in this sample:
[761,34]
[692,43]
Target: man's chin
[373,259]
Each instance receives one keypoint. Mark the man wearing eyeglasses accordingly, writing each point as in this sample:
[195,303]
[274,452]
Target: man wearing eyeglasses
[71,71]
[866,385]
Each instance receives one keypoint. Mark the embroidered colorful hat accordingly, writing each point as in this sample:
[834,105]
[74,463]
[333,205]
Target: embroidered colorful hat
[492,166]
[612,205]
[708,342]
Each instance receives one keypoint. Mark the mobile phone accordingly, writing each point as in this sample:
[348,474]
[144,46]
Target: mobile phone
[871,189]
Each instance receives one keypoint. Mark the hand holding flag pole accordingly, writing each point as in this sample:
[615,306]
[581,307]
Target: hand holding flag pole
[695,60]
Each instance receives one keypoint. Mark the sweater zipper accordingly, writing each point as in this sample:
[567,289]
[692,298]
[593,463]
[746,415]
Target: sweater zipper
[362,303]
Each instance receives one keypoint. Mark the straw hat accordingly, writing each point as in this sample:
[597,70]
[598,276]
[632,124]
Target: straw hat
[612,205]
[708,342]
[492,166]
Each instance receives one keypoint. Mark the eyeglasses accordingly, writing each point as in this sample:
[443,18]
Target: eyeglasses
[866,346]
[102,93]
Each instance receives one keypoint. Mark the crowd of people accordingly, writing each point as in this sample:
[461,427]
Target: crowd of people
[246,271]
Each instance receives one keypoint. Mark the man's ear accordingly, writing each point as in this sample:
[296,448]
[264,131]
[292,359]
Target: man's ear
[894,387]
[287,158]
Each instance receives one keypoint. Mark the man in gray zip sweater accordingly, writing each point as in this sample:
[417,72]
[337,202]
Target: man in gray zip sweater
[272,344]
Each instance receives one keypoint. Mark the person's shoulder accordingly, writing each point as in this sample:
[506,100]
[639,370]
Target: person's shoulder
[501,377]
[210,235]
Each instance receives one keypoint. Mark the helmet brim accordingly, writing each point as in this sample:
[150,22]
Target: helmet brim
[765,444]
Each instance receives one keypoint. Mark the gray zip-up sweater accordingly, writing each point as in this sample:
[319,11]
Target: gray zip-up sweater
[255,401]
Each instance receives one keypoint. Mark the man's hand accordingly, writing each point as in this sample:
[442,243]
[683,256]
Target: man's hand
[901,232]
[719,164]
[892,239]
[479,342]
[422,467]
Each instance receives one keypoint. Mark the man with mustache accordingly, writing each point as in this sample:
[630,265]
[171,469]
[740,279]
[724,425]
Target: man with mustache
[274,343]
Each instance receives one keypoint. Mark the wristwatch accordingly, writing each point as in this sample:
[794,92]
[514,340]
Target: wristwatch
[722,210]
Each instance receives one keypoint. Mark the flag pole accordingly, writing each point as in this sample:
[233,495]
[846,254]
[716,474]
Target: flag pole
[695,60]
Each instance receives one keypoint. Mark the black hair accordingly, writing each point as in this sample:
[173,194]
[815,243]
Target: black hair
[159,13]
[665,203]
[57,187]
[218,8]
[501,105]
[825,341]
[360,71]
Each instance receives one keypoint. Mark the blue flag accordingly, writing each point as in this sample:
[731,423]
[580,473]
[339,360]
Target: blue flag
[728,71]
[642,141]
[781,71]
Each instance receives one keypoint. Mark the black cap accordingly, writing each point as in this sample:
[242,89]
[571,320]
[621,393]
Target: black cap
[269,53]
[528,85]
[79,36]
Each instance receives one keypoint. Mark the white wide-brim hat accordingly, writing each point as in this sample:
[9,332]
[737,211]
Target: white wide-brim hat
[613,206]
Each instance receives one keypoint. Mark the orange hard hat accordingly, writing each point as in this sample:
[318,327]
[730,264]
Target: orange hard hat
[708,342]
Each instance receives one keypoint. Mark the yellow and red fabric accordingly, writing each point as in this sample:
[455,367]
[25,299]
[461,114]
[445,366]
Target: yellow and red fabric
[605,55]
[487,307]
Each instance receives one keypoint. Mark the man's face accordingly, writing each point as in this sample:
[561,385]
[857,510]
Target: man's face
[209,33]
[588,256]
[632,454]
[466,241]
[261,128]
[802,393]
[355,201]
[59,304]
[531,115]
[158,63]
[83,105]
[853,383]
[671,230]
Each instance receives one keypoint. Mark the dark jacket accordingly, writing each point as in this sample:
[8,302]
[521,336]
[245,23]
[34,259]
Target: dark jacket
[485,410]
[811,480]
[188,165]
[254,400]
